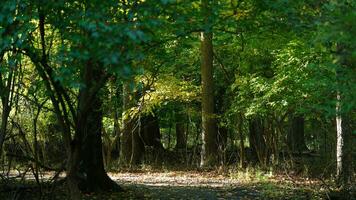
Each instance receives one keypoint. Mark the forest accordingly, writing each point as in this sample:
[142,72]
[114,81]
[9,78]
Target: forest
[177,99]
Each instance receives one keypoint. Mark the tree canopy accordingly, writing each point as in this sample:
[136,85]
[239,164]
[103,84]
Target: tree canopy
[92,86]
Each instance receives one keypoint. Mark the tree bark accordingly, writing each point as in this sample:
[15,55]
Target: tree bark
[344,161]
[126,133]
[209,154]
[4,122]
[181,141]
[343,146]
[7,87]
[86,168]
[242,142]
[222,143]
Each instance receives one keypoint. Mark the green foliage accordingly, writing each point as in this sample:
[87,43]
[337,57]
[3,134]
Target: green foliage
[271,59]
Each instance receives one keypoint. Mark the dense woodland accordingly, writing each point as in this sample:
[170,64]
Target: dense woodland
[90,87]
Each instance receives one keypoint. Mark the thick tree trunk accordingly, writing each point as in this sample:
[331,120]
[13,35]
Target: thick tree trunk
[209,154]
[296,137]
[86,168]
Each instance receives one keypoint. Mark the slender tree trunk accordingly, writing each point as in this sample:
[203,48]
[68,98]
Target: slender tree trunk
[169,136]
[117,141]
[180,136]
[242,143]
[180,131]
[344,161]
[343,146]
[209,154]
[138,147]
[36,145]
[3,128]
[7,92]
[126,133]
[222,141]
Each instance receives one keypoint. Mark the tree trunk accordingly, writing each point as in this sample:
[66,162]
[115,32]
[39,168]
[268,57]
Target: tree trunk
[257,141]
[295,137]
[126,133]
[181,141]
[242,143]
[3,128]
[209,152]
[137,133]
[151,132]
[180,136]
[151,136]
[222,141]
[7,92]
[137,145]
[86,168]
[114,152]
[343,146]
[344,161]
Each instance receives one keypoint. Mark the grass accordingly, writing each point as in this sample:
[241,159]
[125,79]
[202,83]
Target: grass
[274,185]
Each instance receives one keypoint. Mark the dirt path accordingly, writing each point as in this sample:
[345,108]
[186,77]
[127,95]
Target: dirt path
[173,185]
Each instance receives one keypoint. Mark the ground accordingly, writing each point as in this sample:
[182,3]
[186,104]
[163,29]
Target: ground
[192,185]
[184,185]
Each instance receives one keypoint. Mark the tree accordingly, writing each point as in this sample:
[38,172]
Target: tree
[9,77]
[209,136]
[10,62]
[75,72]
[335,35]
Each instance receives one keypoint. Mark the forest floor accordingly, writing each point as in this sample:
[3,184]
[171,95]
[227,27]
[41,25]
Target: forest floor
[217,185]
[210,185]
[194,185]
